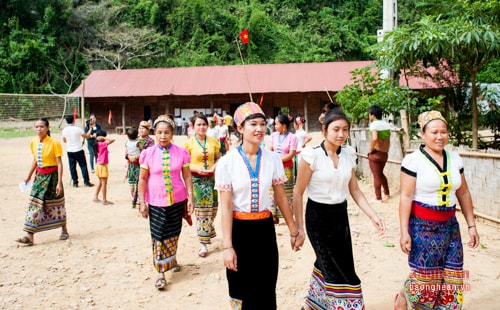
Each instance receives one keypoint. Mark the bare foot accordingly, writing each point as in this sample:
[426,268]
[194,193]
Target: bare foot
[400,302]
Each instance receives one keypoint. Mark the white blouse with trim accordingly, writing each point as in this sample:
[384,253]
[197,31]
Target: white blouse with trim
[329,185]
[232,175]
[428,178]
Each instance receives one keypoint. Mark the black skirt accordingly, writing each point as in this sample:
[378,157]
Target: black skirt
[330,236]
[254,283]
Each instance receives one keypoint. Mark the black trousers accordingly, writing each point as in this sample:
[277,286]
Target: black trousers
[78,157]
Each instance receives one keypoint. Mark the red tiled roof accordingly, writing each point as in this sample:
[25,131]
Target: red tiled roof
[216,80]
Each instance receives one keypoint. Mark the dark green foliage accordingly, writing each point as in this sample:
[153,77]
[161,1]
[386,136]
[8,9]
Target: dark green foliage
[51,45]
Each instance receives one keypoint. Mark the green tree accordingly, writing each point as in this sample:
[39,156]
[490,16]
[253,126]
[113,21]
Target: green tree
[466,35]
[369,88]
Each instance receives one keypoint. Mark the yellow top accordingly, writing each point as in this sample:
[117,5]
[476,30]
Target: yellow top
[195,148]
[228,120]
[51,149]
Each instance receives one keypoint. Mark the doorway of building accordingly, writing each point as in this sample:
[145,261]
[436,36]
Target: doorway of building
[147,112]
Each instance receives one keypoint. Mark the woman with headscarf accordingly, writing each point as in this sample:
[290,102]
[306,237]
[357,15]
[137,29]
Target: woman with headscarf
[166,185]
[432,183]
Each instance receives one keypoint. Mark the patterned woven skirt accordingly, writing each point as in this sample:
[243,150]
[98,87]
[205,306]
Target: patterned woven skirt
[205,207]
[46,210]
[133,180]
[253,286]
[334,283]
[288,185]
[436,261]
[165,225]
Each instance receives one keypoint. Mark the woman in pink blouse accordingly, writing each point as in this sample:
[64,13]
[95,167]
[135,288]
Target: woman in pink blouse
[284,143]
[166,185]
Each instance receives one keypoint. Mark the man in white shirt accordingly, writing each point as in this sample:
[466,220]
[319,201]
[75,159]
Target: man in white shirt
[72,137]
[178,125]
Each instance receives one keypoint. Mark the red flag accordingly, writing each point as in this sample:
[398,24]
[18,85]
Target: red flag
[261,99]
[75,113]
[244,36]
[110,118]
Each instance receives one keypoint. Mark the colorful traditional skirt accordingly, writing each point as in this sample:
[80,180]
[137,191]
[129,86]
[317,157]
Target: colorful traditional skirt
[288,185]
[46,209]
[436,261]
[253,286]
[133,179]
[165,225]
[223,149]
[205,207]
[334,283]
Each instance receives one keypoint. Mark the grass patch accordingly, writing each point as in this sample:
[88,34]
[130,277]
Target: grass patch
[12,132]
[19,132]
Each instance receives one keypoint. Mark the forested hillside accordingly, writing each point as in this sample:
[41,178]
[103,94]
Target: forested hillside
[51,45]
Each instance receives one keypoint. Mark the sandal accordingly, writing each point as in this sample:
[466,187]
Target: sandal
[64,236]
[160,284]
[25,240]
[203,251]
[176,268]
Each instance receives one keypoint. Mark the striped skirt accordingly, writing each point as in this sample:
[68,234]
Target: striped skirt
[165,224]
[205,207]
[46,210]
[333,283]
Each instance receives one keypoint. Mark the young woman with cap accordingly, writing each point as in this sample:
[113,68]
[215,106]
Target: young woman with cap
[244,177]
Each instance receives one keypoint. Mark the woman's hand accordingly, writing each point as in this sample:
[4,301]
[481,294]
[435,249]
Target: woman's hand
[474,237]
[379,224]
[297,240]
[405,243]
[189,205]
[144,210]
[230,260]
[59,189]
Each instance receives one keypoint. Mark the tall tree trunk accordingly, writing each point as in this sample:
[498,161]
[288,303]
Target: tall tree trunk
[474,111]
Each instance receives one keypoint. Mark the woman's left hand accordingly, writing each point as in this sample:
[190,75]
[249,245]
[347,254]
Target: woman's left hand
[59,189]
[297,242]
[144,210]
[189,206]
[379,224]
[474,238]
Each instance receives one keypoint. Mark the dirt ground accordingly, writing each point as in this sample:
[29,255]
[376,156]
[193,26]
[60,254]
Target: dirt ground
[107,261]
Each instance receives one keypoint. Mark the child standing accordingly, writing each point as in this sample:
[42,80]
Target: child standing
[101,170]
[132,153]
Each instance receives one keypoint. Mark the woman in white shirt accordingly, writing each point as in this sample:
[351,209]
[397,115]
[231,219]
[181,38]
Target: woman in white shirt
[244,177]
[432,183]
[326,172]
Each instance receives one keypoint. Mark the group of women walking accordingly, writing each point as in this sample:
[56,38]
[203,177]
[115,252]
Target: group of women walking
[255,186]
